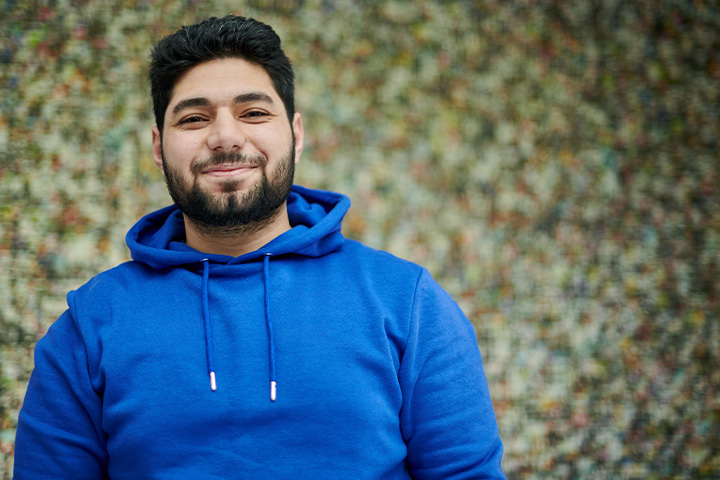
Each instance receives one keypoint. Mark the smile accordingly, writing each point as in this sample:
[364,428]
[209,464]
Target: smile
[227,170]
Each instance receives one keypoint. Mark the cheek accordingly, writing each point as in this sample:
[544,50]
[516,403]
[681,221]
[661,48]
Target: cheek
[273,144]
[181,150]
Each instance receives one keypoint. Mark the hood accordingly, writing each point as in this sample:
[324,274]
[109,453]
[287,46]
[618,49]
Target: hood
[158,239]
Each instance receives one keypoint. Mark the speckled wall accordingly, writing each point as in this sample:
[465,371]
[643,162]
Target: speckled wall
[554,164]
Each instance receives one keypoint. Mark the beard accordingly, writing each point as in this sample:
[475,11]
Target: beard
[231,211]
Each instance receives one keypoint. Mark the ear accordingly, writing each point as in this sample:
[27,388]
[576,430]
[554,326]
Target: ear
[297,127]
[157,148]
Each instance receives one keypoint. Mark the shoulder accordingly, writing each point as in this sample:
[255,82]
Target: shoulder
[117,277]
[384,271]
[379,261]
[106,288]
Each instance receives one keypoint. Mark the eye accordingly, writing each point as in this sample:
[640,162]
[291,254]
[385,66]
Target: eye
[192,119]
[255,115]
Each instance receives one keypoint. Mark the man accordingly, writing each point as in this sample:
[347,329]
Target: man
[248,338]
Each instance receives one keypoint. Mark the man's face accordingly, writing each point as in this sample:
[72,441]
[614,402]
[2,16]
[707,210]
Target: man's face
[227,150]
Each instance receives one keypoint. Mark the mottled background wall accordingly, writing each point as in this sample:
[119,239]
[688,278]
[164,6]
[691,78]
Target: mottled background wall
[554,164]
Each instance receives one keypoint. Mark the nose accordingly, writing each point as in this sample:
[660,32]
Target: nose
[226,133]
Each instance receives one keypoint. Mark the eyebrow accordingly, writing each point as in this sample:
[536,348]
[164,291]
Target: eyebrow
[189,103]
[204,102]
[253,97]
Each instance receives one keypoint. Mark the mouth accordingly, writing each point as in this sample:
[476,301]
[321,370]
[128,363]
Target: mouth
[227,170]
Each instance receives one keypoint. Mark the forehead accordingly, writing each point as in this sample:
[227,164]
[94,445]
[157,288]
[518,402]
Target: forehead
[222,79]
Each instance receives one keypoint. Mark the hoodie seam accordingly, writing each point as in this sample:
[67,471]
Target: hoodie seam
[74,314]
[412,312]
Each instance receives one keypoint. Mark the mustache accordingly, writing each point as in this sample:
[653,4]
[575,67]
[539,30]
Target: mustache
[229,158]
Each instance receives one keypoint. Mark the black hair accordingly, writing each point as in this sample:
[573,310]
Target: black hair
[213,39]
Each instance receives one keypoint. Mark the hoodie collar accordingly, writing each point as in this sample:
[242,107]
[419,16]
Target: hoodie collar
[158,239]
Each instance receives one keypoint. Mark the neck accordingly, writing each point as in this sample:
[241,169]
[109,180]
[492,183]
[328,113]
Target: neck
[237,240]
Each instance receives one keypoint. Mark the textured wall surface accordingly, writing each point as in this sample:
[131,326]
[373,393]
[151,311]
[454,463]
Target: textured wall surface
[554,164]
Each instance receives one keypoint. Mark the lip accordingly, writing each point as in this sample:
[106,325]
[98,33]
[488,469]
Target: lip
[227,170]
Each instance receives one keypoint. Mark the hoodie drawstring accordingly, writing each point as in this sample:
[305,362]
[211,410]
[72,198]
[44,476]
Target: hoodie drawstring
[268,320]
[208,325]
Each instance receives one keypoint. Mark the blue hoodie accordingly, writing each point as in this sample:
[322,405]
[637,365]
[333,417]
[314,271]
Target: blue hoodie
[313,357]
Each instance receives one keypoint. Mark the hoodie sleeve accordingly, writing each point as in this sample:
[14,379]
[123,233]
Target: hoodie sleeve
[447,418]
[59,431]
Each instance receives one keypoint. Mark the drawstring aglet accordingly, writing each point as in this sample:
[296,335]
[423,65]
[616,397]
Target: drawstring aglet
[213,385]
[273,391]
